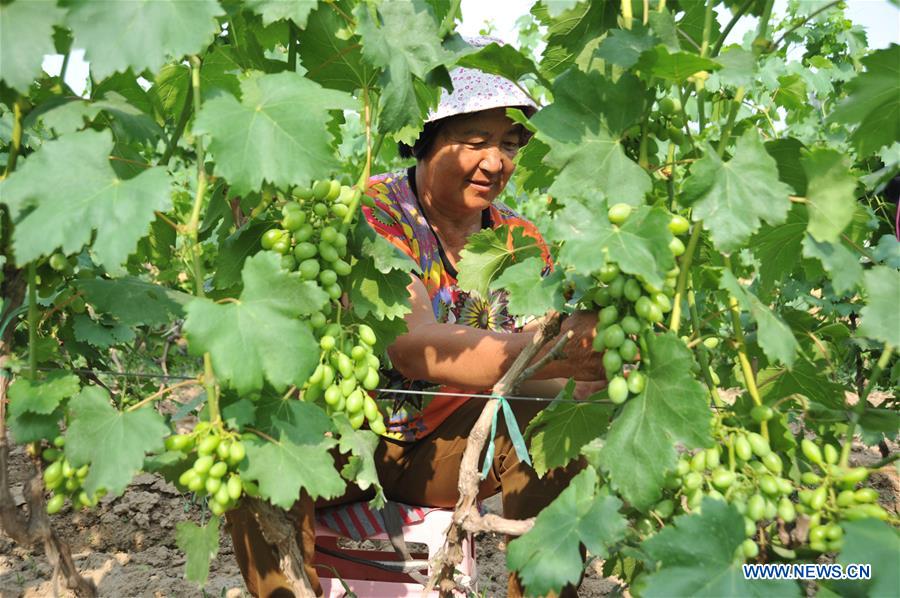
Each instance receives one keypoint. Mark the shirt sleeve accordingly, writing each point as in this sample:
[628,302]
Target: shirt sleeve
[385,219]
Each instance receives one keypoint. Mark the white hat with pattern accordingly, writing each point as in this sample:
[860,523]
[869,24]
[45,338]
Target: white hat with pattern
[475,90]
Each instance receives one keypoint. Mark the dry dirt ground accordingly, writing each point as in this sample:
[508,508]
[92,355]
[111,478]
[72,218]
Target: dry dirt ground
[127,545]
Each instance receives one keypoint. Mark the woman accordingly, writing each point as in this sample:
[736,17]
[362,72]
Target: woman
[461,342]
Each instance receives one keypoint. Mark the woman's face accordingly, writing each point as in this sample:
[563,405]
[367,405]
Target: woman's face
[471,160]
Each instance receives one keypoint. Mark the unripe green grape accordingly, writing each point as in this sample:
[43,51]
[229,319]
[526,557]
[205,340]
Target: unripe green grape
[221,495]
[320,189]
[630,325]
[358,353]
[370,408]
[679,225]
[354,402]
[327,277]
[203,464]
[377,426]
[617,287]
[723,478]
[693,480]
[304,251]
[212,484]
[333,395]
[317,320]
[818,534]
[618,390]
[629,350]
[234,487]
[334,291]
[662,302]
[371,380]
[328,235]
[612,362]
[608,272]
[655,314]
[619,213]
[682,467]
[749,526]
[208,445]
[636,382]
[72,484]
[786,510]
[320,209]
[607,315]
[270,237]
[749,549]
[742,448]
[304,233]
[340,210]
[293,219]
[642,307]
[831,454]
[187,476]
[866,511]
[308,269]
[597,344]
[834,532]
[698,461]
[854,476]
[865,495]
[759,444]
[768,485]
[713,457]
[811,451]
[357,419]
[197,484]
[327,342]
[632,290]
[223,449]
[367,335]
[711,342]
[784,486]
[328,252]
[761,413]
[773,463]
[347,386]
[53,472]
[614,336]
[218,469]
[55,504]
[669,106]
[676,246]
[818,498]
[282,247]
[236,453]
[756,507]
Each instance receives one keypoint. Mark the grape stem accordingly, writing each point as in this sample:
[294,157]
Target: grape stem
[686,260]
[707,28]
[862,401]
[32,321]
[16,141]
[701,351]
[161,392]
[746,369]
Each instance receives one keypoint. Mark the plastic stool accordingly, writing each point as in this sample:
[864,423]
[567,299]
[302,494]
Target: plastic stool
[371,582]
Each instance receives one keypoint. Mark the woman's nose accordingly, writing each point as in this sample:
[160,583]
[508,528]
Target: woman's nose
[492,160]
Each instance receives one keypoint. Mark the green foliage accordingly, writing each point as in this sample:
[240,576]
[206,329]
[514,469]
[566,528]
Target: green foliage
[242,336]
[26,34]
[200,544]
[487,255]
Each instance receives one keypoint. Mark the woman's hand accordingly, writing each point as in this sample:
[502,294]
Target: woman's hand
[578,359]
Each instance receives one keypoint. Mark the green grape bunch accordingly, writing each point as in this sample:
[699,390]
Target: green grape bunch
[214,473]
[347,372]
[63,480]
[629,306]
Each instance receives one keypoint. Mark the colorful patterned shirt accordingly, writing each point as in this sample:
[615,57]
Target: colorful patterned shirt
[397,216]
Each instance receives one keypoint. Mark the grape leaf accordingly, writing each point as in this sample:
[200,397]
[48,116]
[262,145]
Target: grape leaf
[732,197]
[378,294]
[200,545]
[696,555]
[805,378]
[298,421]
[265,137]
[26,34]
[529,293]
[503,60]
[738,67]
[488,253]
[786,153]
[100,334]
[234,251]
[385,255]
[576,126]
[888,251]
[40,396]
[547,557]
[171,90]
[558,432]
[829,193]
[774,336]
[276,10]
[791,92]
[674,66]
[113,442]
[778,248]
[640,246]
[285,467]
[360,447]
[133,301]
[31,427]
[879,316]
[640,445]
[874,543]
[402,39]
[841,263]
[141,34]
[623,47]
[128,122]
[570,33]
[331,61]
[95,199]
[872,102]
[259,336]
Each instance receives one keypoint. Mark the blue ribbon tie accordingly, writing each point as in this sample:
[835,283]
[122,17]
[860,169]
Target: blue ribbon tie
[515,435]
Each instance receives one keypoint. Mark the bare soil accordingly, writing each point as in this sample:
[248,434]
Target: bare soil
[127,544]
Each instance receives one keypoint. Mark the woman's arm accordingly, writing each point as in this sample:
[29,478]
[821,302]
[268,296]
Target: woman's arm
[469,357]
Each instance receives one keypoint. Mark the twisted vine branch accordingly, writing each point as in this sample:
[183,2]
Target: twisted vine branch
[466,518]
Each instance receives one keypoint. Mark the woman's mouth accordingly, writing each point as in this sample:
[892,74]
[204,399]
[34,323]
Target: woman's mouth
[483,186]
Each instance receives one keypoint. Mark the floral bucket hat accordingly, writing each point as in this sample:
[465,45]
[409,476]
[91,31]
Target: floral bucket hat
[475,90]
